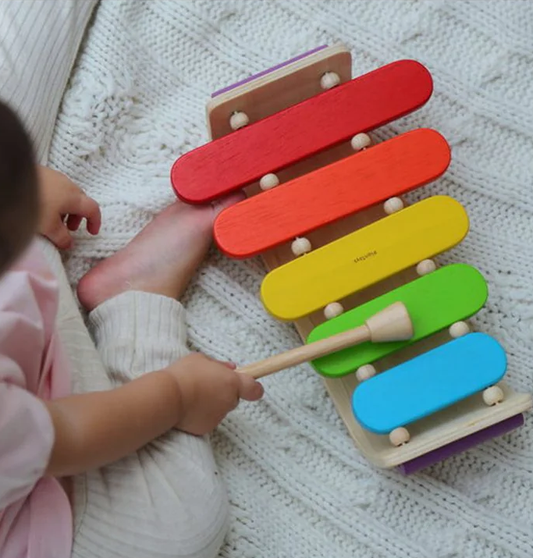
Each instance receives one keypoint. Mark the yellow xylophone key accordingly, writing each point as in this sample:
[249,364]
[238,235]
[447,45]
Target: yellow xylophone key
[364,257]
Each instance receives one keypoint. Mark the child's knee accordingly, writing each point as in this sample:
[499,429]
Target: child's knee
[201,535]
[201,519]
[166,501]
[197,508]
[158,512]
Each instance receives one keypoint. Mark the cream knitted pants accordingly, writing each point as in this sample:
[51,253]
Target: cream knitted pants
[167,500]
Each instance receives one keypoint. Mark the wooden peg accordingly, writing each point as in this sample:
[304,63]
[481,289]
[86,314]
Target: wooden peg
[391,324]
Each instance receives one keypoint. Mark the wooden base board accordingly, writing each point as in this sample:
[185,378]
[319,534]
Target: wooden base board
[276,91]
[263,96]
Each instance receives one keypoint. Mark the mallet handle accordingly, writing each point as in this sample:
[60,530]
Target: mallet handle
[306,353]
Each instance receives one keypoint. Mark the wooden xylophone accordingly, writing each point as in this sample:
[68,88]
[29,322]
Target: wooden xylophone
[324,211]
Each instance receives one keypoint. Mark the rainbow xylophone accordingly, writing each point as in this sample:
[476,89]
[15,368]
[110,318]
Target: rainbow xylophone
[324,211]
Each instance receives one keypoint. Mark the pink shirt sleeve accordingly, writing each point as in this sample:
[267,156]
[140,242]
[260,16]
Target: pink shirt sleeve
[33,369]
[26,438]
[28,300]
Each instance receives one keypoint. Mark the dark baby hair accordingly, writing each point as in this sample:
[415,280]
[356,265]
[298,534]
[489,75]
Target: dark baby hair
[19,193]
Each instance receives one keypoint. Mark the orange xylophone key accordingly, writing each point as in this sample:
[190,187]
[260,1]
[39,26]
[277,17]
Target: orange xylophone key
[313,200]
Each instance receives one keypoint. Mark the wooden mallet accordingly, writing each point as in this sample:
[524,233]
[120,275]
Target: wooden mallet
[390,324]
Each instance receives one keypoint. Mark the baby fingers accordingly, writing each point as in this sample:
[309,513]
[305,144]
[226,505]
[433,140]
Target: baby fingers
[84,207]
[250,389]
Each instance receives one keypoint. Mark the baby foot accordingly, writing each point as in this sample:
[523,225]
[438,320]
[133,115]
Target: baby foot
[161,259]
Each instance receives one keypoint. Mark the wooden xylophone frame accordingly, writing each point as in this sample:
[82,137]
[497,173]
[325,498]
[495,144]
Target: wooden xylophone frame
[436,437]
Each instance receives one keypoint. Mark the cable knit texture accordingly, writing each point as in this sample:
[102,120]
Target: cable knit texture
[298,487]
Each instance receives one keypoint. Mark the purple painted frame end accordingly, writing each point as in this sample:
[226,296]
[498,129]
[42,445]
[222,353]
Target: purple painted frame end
[268,71]
[459,446]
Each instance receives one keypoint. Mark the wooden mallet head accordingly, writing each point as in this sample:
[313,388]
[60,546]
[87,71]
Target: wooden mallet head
[391,324]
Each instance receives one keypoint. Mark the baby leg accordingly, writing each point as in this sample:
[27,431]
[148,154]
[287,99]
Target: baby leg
[167,500]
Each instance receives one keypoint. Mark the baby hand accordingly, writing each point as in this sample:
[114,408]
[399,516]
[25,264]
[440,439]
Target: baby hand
[209,390]
[63,206]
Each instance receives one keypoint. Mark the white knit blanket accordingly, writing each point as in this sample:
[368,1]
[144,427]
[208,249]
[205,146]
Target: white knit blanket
[298,487]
